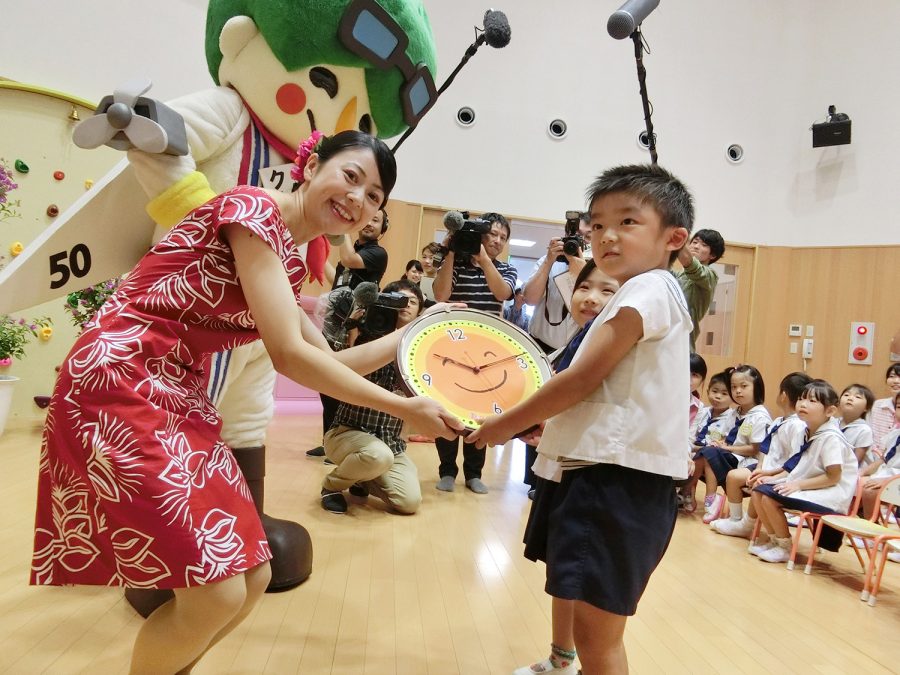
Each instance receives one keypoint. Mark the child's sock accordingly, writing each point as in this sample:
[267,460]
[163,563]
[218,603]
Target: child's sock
[561,658]
[736,510]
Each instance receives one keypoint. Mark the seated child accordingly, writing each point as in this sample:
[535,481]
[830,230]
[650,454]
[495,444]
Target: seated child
[698,376]
[741,446]
[883,468]
[713,424]
[820,478]
[856,402]
[783,438]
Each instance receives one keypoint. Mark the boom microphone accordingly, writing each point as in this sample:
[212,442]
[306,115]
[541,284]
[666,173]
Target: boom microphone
[453,221]
[625,20]
[496,29]
[365,294]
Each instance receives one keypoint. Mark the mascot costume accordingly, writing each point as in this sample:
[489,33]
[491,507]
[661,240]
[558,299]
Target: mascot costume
[282,72]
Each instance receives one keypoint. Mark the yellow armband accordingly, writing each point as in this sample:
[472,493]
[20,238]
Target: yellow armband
[170,207]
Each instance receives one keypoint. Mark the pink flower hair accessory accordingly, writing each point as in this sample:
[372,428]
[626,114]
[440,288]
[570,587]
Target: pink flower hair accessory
[304,151]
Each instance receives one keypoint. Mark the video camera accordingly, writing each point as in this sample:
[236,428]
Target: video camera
[465,236]
[380,310]
[573,243]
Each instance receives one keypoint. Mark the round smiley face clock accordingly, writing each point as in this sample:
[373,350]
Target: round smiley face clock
[473,363]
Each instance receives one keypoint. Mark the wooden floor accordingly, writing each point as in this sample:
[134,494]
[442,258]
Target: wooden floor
[447,591]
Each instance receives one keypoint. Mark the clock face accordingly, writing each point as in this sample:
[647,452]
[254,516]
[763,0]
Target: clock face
[473,363]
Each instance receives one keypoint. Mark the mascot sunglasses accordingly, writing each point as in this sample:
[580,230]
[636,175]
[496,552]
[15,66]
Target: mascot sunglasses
[368,31]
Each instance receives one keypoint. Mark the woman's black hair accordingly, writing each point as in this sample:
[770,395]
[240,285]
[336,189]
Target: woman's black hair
[759,387]
[414,263]
[698,366]
[893,369]
[347,140]
[793,385]
[821,391]
[406,285]
[589,267]
[866,394]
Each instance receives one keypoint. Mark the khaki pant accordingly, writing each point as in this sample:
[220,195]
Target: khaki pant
[362,458]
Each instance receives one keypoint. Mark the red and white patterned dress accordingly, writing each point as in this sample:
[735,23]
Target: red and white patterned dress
[136,487]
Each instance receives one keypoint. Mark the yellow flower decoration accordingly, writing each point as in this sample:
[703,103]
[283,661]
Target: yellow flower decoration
[16,247]
[46,333]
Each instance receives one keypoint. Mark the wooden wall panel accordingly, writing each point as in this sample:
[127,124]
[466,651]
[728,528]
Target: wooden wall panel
[826,288]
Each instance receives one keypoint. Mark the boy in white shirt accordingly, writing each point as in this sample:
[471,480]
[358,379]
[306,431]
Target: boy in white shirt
[617,423]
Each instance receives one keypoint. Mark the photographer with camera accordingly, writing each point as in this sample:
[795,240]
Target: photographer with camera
[365,259]
[551,324]
[471,273]
[364,443]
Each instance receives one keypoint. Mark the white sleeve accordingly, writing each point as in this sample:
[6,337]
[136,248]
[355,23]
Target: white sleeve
[652,299]
[832,452]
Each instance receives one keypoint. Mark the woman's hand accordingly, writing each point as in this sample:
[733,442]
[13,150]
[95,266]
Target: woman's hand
[429,418]
[444,306]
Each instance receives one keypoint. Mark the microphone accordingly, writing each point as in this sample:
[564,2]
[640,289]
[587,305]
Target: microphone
[365,294]
[625,20]
[496,29]
[453,221]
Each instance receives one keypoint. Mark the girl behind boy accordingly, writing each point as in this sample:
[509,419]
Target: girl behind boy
[821,478]
[741,446]
[856,402]
[593,289]
[783,438]
[614,414]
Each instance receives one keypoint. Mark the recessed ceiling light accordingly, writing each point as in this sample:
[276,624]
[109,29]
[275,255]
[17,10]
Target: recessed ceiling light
[526,243]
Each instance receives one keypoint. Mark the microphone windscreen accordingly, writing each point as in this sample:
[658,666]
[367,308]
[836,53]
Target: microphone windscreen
[365,294]
[453,221]
[496,29]
[625,20]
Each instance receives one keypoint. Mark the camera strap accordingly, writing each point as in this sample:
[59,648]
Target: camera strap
[565,310]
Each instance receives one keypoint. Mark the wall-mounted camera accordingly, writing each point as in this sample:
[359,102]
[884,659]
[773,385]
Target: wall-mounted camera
[465,116]
[557,129]
[734,153]
[643,140]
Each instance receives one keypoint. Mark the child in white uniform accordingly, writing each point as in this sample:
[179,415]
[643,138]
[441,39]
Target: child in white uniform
[618,423]
[884,468]
[783,438]
[740,448]
[712,424]
[856,403]
[821,478]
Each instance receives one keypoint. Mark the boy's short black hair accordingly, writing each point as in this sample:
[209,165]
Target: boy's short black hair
[793,385]
[698,366]
[715,242]
[652,185]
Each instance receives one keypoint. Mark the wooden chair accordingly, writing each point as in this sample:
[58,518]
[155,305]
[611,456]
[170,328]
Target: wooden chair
[869,529]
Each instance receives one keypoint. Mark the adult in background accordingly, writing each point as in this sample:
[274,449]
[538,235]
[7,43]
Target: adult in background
[697,278]
[482,282]
[551,324]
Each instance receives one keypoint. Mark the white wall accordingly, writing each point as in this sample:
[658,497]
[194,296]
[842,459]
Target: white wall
[755,72]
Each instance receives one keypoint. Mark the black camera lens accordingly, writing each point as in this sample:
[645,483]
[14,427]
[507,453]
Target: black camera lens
[570,246]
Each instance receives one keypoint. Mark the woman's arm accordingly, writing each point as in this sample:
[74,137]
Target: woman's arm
[296,347]
[602,353]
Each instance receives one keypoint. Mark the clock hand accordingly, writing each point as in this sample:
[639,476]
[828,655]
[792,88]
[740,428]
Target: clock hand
[458,363]
[503,360]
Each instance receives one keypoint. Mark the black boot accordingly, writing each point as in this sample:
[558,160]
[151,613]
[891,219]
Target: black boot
[289,542]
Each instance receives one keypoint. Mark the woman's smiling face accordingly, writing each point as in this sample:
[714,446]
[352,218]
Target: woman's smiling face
[344,193]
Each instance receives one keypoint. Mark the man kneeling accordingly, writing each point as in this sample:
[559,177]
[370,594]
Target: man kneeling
[365,444]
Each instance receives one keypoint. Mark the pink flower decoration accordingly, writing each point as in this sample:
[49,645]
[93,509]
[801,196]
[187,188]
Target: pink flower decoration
[306,148]
[5,363]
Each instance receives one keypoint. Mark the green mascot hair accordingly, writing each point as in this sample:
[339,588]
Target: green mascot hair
[303,33]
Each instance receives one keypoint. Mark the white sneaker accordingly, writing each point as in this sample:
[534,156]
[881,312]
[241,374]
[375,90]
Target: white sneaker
[861,544]
[793,521]
[733,528]
[759,549]
[776,554]
[894,556]
[545,666]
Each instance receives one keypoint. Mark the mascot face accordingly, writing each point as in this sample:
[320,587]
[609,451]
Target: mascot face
[292,104]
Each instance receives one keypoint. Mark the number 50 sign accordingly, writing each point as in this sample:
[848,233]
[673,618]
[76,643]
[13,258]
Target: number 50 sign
[102,235]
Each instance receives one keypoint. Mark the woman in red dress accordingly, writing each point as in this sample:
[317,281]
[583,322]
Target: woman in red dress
[136,487]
